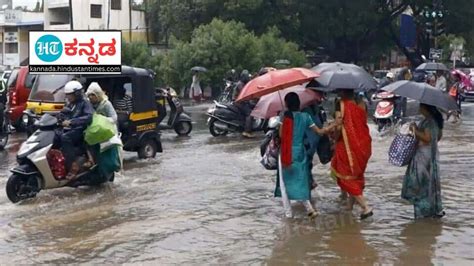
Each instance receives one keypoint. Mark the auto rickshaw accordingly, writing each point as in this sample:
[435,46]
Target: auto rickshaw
[138,127]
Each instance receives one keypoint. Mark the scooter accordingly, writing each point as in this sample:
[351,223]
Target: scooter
[384,115]
[178,119]
[225,118]
[5,130]
[34,172]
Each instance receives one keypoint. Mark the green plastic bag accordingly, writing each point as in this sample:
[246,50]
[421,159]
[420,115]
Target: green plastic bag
[101,129]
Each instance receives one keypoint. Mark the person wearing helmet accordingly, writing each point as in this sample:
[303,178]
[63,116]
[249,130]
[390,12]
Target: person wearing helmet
[77,115]
[389,78]
[245,107]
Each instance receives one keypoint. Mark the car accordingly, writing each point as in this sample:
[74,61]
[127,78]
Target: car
[19,87]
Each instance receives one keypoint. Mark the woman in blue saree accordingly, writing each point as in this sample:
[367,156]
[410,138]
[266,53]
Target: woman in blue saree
[421,184]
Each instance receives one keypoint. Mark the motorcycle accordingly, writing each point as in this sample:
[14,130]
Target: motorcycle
[226,95]
[225,118]
[34,172]
[5,130]
[384,115]
[178,119]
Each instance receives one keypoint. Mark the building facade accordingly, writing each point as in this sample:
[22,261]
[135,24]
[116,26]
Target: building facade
[14,28]
[96,15]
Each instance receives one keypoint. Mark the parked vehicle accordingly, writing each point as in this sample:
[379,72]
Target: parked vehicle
[385,113]
[177,118]
[6,75]
[226,95]
[225,118]
[35,173]
[19,87]
[4,121]
[138,128]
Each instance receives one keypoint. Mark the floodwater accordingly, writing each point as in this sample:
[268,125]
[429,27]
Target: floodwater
[207,200]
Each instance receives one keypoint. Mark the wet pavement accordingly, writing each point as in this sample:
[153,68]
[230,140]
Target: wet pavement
[207,200]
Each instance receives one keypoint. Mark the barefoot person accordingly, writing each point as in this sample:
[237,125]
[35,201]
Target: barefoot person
[421,185]
[295,180]
[353,149]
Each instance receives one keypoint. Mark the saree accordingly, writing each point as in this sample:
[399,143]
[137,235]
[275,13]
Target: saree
[421,184]
[353,149]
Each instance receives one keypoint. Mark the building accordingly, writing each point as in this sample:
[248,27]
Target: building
[96,15]
[14,28]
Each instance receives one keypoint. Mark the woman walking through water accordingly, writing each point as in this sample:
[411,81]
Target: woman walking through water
[353,149]
[195,93]
[294,183]
[421,185]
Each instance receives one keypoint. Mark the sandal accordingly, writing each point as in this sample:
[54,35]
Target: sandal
[364,216]
[312,215]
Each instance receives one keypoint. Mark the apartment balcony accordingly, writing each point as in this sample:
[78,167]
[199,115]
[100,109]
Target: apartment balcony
[58,3]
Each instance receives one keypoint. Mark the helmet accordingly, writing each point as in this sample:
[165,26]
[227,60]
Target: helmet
[390,75]
[245,75]
[72,86]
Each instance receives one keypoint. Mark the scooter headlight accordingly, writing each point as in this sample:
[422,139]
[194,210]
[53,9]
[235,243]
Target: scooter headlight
[211,110]
[25,118]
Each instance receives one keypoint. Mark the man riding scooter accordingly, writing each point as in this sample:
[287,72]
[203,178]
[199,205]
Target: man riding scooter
[245,107]
[77,115]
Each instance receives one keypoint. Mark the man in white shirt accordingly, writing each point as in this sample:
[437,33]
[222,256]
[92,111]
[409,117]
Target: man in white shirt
[441,81]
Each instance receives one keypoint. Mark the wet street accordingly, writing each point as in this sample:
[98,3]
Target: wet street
[208,200]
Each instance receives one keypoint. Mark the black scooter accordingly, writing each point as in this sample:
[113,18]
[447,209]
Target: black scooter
[225,118]
[177,119]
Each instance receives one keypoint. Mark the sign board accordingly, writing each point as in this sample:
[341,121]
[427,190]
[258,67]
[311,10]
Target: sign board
[75,52]
[436,54]
[11,37]
[12,16]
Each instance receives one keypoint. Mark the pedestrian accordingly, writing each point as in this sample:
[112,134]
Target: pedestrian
[311,139]
[441,83]
[421,184]
[294,181]
[455,92]
[195,92]
[353,149]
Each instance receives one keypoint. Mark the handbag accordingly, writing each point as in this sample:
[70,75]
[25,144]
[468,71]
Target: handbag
[403,148]
[270,157]
[324,149]
[101,129]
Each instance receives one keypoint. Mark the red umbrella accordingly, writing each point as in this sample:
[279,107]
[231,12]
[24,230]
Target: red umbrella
[269,105]
[275,81]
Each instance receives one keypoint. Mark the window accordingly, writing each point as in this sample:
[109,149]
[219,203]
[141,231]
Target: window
[30,80]
[116,5]
[11,48]
[96,11]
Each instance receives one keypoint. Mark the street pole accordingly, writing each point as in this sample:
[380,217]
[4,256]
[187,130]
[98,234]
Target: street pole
[71,21]
[130,20]
[147,21]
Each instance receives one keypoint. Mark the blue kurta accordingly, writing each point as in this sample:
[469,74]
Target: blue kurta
[297,177]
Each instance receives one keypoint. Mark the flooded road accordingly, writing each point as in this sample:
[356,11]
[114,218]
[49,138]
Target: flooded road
[207,200]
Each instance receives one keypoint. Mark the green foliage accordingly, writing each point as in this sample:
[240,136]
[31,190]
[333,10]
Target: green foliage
[218,46]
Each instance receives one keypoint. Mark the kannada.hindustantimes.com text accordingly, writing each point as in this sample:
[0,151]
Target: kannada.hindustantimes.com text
[75,69]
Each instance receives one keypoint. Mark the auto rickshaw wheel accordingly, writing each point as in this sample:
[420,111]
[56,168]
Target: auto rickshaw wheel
[183,128]
[147,149]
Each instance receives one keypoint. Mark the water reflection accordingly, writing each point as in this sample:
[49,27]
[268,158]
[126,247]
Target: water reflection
[419,238]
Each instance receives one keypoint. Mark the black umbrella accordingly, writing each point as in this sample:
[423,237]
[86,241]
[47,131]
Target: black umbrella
[432,66]
[344,76]
[423,93]
[199,69]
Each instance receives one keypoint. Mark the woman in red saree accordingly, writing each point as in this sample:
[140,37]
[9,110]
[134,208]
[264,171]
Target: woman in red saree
[353,149]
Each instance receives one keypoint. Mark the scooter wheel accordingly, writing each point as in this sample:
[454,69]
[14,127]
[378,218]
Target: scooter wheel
[183,128]
[20,188]
[216,132]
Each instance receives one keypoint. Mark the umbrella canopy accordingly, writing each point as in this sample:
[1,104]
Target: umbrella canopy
[432,66]
[269,105]
[344,76]
[274,81]
[423,93]
[199,69]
